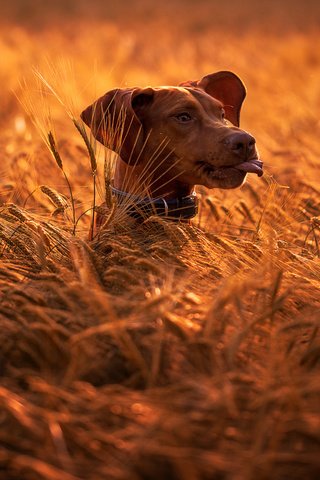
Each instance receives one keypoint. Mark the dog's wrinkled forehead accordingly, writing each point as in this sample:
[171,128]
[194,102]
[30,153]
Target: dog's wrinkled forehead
[204,98]
[170,92]
[169,97]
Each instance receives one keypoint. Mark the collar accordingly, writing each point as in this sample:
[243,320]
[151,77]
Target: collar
[180,208]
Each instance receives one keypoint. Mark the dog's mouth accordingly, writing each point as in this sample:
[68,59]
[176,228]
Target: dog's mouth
[250,166]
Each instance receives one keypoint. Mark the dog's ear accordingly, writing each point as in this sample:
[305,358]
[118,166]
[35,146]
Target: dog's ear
[115,120]
[226,87]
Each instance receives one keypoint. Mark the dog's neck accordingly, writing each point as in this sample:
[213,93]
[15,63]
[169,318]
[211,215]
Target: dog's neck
[139,181]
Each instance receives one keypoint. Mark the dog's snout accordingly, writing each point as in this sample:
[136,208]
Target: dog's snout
[241,143]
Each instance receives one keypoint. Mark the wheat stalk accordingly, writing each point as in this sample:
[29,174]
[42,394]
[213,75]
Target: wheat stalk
[41,118]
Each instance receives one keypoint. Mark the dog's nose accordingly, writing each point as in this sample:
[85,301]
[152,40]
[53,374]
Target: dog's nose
[242,144]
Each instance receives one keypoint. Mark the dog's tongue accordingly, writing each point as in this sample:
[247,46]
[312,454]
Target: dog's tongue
[252,166]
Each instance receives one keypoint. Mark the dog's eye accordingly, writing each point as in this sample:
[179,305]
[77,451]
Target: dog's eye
[184,117]
[223,114]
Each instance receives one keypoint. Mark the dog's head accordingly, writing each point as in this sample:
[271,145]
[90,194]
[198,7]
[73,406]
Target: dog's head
[193,129]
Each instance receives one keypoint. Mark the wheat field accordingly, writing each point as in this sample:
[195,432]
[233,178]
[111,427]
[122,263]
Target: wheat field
[158,351]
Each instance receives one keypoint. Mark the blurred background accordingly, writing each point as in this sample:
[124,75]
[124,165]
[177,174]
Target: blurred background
[270,15]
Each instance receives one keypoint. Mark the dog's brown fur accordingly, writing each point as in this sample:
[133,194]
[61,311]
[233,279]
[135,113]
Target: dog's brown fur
[176,137]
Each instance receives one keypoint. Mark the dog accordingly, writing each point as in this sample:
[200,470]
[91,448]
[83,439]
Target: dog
[171,138]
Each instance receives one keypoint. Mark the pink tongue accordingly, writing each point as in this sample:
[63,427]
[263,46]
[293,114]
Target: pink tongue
[255,166]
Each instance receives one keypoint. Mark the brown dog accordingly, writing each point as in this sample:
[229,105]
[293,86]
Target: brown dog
[171,138]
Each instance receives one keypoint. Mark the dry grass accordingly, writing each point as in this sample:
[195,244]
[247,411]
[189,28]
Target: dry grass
[158,351]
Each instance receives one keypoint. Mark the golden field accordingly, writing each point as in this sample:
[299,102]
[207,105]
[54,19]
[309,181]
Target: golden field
[158,351]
